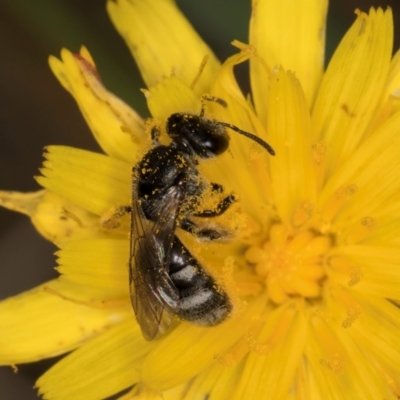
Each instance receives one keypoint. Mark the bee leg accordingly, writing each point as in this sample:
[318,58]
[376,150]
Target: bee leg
[223,205]
[111,219]
[205,233]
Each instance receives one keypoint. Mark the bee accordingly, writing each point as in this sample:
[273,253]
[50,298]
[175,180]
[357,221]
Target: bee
[166,280]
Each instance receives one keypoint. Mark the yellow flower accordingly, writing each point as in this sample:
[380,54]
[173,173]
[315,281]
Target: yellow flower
[312,266]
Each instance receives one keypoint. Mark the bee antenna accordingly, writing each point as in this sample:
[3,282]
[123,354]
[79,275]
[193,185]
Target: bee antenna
[251,136]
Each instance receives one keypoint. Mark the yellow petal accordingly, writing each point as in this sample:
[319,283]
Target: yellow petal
[379,271]
[118,129]
[373,172]
[176,49]
[87,295]
[92,181]
[140,392]
[190,349]
[94,273]
[270,372]
[305,386]
[99,263]
[36,325]
[290,34]
[387,233]
[352,85]
[56,219]
[378,333]
[216,383]
[104,366]
[171,95]
[390,99]
[293,171]
[238,110]
[392,86]
[338,363]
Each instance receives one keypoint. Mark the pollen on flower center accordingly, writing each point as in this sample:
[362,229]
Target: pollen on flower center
[291,263]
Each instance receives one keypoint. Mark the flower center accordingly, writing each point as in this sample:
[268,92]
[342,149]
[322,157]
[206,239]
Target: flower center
[291,263]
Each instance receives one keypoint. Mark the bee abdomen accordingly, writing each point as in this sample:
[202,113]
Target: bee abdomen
[202,301]
[188,277]
[207,307]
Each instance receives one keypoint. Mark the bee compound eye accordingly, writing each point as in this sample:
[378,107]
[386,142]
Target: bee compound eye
[217,144]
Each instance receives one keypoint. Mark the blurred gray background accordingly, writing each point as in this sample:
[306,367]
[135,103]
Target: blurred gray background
[36,111]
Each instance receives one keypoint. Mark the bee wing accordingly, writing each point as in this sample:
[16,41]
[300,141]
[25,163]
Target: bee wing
[153,294]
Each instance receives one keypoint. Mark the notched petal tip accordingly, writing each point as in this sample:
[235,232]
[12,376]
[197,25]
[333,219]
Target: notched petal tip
[84,52]
[96,265]
[117,127]
[92,181]
[131,122]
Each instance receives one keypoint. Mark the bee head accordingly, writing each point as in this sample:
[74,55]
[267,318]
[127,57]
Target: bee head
[207,138]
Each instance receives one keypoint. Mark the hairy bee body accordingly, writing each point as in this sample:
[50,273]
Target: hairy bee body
[201,301]
[166,280]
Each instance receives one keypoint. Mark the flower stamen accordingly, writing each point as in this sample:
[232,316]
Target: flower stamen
[291,264]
